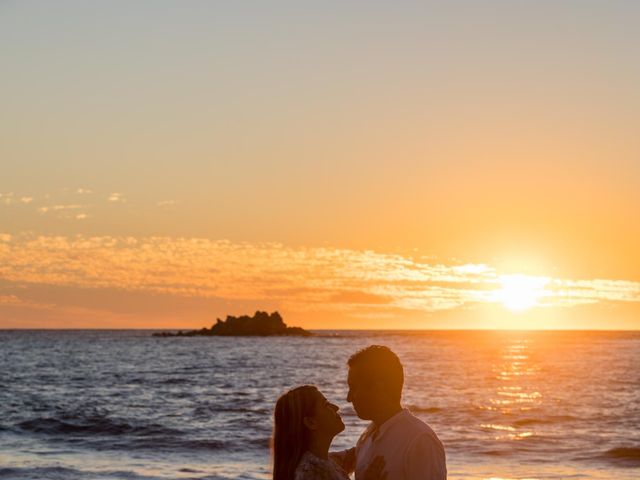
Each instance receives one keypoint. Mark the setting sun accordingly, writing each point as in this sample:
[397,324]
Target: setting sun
[520,292]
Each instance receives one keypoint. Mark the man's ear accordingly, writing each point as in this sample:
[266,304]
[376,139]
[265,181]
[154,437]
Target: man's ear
[310,423]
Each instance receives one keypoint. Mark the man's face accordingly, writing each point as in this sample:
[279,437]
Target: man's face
[361,393]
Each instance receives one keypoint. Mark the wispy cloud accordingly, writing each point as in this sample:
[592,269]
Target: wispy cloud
[60,208]
[64,201]
[10,300]
[115,197]
[15,301]
[7,198]
[300,278]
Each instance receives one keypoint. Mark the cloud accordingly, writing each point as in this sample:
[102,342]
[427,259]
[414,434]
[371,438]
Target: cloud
[301,279]
[58,208]
[63,211]
[10,300]
[356,297]
[568,292]
[116,197]
[7,198]
[166,203]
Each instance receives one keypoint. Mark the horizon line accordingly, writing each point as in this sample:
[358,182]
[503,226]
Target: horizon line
[339,330]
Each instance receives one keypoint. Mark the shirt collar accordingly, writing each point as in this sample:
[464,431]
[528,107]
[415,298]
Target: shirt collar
[379,431]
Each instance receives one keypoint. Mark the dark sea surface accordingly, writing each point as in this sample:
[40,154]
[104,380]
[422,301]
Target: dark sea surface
[125,405]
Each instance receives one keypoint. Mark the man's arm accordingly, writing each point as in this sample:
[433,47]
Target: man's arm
[345,458]
[425,459]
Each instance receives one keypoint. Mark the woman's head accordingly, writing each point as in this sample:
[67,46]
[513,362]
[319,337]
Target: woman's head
[300,415]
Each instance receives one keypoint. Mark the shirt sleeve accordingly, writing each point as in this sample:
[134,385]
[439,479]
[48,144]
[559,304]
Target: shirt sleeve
[425,459]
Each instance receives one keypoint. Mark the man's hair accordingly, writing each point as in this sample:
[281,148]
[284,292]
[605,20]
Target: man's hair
[379,362]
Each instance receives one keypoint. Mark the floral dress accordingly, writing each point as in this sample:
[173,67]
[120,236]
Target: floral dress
[314,468]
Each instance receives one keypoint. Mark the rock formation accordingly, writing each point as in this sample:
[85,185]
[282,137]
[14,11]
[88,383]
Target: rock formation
[261,324]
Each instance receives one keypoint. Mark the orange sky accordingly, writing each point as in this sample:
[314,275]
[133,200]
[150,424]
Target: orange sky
[370,167]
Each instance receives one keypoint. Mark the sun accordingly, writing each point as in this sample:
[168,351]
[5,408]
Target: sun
[520,292]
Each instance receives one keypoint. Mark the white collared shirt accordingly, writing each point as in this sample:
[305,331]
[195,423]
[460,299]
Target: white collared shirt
[411,450]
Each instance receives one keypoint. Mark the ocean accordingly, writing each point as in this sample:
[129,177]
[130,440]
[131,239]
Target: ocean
[126,405]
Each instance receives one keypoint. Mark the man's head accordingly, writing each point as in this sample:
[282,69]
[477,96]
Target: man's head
[375,381]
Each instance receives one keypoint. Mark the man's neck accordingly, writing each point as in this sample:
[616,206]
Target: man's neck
[386,413]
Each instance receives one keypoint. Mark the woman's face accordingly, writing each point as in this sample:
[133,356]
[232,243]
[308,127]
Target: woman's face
[327,417]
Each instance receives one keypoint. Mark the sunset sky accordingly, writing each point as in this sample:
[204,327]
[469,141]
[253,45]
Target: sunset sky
[350,164]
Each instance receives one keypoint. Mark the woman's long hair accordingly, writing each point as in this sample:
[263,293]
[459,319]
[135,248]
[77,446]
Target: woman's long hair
[290,436]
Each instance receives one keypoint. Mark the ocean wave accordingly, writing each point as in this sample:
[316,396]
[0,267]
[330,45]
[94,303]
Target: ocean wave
[630,455]
[175,381]
[91,425]
[49,473]
[189,470]
[205,411]
[202,444]
[166,444]
[496,453]
[261,442]
[417,409]
[544,420]
[110,434]
[8,472]
[64,473]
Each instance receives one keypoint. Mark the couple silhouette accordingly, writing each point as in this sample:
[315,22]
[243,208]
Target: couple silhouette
[395,446]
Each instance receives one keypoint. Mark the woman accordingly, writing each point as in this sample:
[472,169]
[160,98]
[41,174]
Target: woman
[305,424]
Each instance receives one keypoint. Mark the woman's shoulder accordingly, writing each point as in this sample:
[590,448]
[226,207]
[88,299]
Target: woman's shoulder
[311,467]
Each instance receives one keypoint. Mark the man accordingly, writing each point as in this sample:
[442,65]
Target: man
[410,450]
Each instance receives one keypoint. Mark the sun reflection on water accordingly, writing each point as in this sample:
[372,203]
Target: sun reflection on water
[515,391]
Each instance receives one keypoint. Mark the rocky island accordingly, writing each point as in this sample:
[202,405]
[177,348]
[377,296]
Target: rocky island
[262,324]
